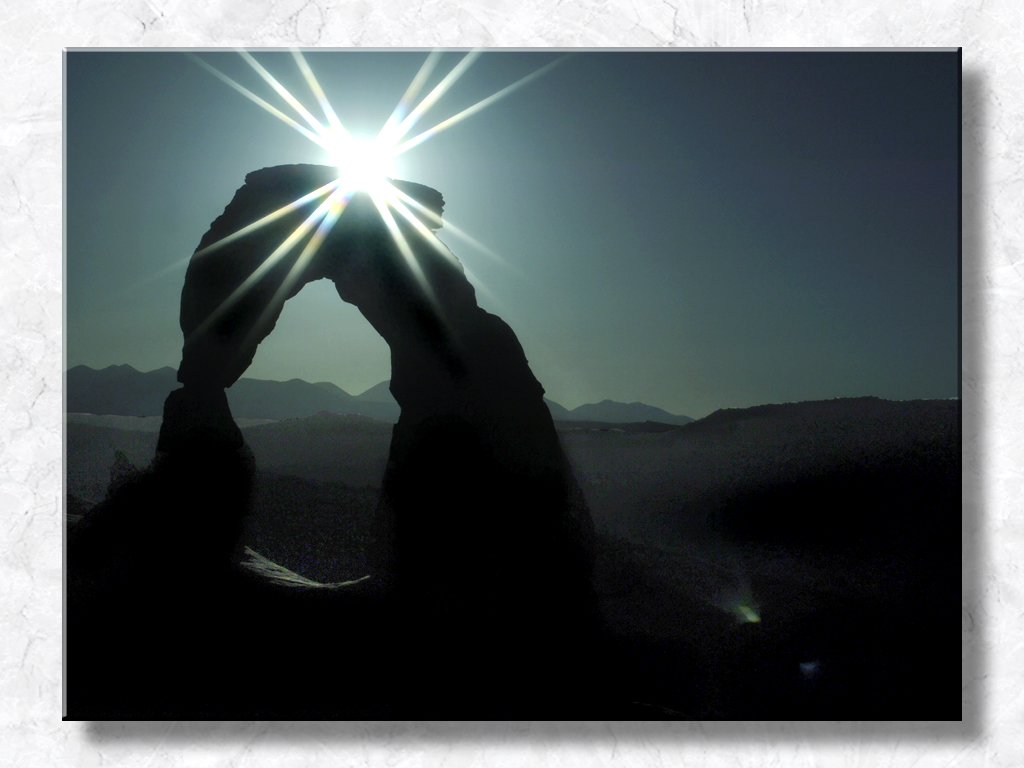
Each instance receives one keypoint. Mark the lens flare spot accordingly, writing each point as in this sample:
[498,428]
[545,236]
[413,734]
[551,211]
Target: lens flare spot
[748,614]
[810,669]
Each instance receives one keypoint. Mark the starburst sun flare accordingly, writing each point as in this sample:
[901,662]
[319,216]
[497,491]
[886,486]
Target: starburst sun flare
[363,166]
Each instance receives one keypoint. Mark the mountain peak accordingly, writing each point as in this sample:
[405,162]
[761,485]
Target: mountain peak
[378,393]
[333,388]
[614,412]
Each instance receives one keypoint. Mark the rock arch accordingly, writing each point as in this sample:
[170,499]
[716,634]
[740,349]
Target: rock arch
[481,521]
[480,603]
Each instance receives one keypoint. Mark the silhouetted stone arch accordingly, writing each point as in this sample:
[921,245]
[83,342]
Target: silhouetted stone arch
[480,603]
[482,526]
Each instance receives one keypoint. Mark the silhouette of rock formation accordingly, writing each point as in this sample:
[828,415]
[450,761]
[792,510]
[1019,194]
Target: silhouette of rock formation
[480,602]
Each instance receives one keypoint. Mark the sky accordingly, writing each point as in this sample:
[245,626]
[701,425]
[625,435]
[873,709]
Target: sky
[691,230]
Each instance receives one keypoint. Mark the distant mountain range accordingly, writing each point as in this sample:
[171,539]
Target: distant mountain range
[612,412]
[122,390]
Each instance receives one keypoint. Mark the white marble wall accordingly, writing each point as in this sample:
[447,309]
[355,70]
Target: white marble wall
[32,36]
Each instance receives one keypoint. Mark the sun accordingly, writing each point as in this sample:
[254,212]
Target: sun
[362,165]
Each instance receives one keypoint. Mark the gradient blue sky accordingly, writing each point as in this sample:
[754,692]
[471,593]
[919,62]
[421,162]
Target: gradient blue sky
[694,230]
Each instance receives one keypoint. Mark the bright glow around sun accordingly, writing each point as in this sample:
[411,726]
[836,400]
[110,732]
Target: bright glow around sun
[363,165]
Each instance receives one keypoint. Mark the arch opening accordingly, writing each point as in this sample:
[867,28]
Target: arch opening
[319,338]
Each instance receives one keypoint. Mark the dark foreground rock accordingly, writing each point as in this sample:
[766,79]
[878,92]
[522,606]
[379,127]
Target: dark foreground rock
[479,602]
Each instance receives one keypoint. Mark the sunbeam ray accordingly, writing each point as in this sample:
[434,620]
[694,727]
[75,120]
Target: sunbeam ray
[301,231]
[403,247]
[439,90]
[496,257]
[422,228]
[439,246]
[268,219]
[314,85]
[402,108]
[446,222]
[481,287]
[281,294]
[455,119]
[283,92]
[257,100]
[180,264]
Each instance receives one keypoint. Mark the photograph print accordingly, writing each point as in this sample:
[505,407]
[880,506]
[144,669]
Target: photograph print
[494,384]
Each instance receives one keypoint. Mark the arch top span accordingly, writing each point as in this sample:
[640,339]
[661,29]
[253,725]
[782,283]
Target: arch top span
[262,250]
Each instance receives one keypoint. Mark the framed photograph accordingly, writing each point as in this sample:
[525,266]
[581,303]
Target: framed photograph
[543,384]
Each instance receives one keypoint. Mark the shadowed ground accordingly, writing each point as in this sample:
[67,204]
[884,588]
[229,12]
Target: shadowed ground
[856,585]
